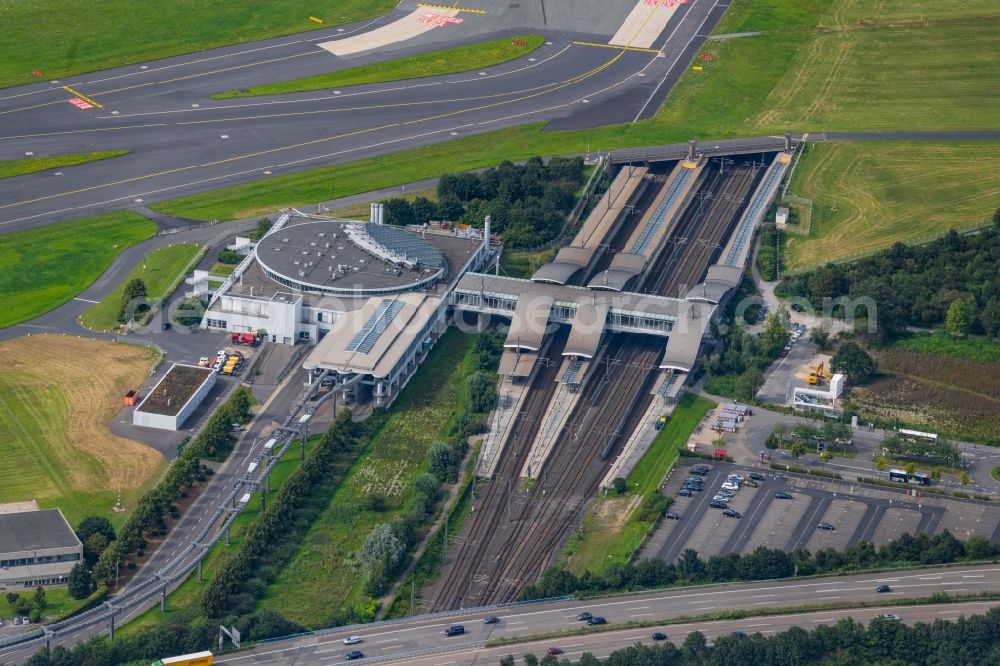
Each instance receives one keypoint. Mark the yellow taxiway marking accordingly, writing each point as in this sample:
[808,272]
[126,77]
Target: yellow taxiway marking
[542,90]
[623,48]
[82,96]
[453,8]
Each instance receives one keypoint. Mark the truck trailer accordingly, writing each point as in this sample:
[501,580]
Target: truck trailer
[195,659]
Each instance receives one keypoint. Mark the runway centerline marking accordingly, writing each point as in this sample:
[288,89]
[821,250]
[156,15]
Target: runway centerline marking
[612,46]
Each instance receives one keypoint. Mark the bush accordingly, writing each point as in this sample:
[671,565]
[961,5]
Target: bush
[229,257]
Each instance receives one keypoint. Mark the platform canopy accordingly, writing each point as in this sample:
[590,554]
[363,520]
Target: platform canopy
[718,281]
[624,267]
[587,329]
[685,340]
[527,327]
[568,261]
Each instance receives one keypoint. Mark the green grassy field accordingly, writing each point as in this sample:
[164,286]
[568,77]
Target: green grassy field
[57,602]
[160,270]
[868,195]
[57,396]
[744,87]
[324,575]
[974,349]
[59,38]
[611,530]
[11,168]
[47,266]
[447,61]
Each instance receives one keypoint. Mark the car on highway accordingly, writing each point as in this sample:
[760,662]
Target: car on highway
[554,650]
[731,513]
[883,588]
[826,526]
[454,630]
[718,504]
[585,615]
[891,616]
[659,636]
[700,470]
[491,619]
[685,492]
[672,515]
[354,654]
[782,495]
[352,640]
[597,619]
[756,476]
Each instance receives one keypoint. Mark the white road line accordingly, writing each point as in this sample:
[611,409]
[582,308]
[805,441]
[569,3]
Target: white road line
[762,624]
[640,614]
[822,598]
[762,596]
[85,300]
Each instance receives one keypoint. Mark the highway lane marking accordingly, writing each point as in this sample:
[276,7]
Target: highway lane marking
[612,46]
[85,300]
[822,598]
[762,596]
[83,97]
[762,624]
[638,608]
[976,576]
[581,77]
[641,614]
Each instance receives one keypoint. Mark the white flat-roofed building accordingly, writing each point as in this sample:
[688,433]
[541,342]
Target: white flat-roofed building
[37,547]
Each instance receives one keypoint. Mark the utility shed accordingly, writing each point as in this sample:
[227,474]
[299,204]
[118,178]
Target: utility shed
[175,397]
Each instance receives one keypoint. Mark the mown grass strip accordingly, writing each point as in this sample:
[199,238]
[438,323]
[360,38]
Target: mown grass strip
[58,38]
[447,61]
[159,270]
[11,168]
[45,267]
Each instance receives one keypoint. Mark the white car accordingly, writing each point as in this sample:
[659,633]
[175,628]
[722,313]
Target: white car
[352,640]
[735,478]
[729,485]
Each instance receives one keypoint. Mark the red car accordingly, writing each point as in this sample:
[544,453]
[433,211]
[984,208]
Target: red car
[554,650]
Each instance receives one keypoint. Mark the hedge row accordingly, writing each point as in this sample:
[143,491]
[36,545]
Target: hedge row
[256,560]
[215,439]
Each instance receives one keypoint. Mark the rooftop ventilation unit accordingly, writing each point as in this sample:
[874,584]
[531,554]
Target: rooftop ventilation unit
[321,234]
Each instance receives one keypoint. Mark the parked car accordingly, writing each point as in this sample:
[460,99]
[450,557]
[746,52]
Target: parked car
[597,619]
[685,492]
[491,619]
[731,513]
[728,485]
[718,504]
[700,470]
[826,526]
[672,515]
[585,615]
[554,650]
[737,478]
[352,640]
[454,630]
[756,476]
[782,495]
[354,654]
[659,636]
[883,588]
[751,483]
[783,353]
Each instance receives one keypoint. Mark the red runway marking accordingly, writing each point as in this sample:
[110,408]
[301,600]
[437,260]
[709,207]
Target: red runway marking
[79,103]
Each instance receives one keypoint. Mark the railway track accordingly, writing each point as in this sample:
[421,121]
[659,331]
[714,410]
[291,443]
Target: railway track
[518,530]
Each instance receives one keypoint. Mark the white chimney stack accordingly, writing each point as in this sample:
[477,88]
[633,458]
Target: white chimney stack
[373,216]
[486,228]
[381,213]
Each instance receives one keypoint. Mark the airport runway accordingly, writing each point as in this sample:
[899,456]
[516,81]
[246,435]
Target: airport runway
[184,142]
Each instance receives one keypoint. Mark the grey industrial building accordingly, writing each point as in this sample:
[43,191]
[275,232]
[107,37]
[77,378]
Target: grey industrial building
[37,547]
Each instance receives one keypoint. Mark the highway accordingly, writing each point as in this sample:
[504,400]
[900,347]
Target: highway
[425,632]
[184,142]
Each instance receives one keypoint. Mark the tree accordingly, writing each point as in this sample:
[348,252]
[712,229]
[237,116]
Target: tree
[397,211]
[94,546]
[95,524]
[39,597]
[530,660]
[507,661]
[820,335]
[880,463]
[774,336]
[797,449]
[620,485]
[189,311]
[133,300]
[854,362]
[424,210]
[80,582]
[12,598]
[482,388]
[690,566]
[963,478]
[382,546]
[441,459]
[959,317]
[748,383]
[427,484]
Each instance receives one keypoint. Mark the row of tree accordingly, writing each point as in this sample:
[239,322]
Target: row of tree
[761,564]
[953,281]
[939,451]
[972,640]
[738,370]
[528,202]
[270,540]
[214,441]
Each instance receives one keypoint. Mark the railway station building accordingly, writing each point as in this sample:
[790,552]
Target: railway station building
[371,299]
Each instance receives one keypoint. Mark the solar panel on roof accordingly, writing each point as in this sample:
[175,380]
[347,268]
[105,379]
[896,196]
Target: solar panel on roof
[365,339]
[406,243]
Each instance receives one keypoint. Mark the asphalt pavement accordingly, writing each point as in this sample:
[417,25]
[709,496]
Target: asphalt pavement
[183,142]
[425,633]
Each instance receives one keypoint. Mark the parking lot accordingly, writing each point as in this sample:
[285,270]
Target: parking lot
[856,513]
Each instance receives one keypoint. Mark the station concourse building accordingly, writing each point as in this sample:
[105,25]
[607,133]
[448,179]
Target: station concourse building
[371,299]
[37,547]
